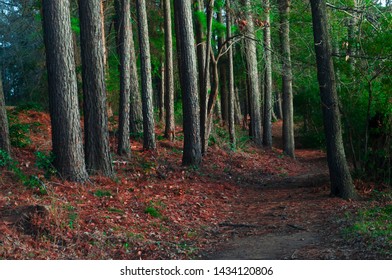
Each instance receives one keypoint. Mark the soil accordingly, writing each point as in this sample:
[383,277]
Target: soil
[248,204]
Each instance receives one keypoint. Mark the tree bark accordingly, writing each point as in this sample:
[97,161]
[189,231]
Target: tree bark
[253,76]
[267,120]
[4,130]
[341,181]
[189,82]
[63,100]
[124,27]
[287,78]
[169,74]
[145,59]
[97,149]
[230,70]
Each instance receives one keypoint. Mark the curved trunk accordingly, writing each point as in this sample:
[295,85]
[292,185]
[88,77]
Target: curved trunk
[341,181]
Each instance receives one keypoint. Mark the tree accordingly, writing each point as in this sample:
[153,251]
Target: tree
[4,132]
[189,82]
[169,75]
[97,149]
[253,76]
[341,181]
[124,37]
[230,70]
[287,79]
[63,100]
[144,45]
[267,120]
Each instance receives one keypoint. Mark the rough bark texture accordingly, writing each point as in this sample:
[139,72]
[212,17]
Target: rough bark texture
[201,62]
[205,120]
[124,31]
[4,132]
[253,77]
[223,67]
[267,120]
[63,100]
[145,59]
[169,74]
[97,149]
[189,82]
[341,181]
[230,70]
[287,78]
[136,114]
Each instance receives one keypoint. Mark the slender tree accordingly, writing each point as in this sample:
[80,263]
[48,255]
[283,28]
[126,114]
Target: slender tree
[341,181]
[97,149]
[63,100]
[169,75]
[287,79]
[189,82]
[124,37]
[267,120]
[230,71]
[4,132]
[253,76]
[145,59]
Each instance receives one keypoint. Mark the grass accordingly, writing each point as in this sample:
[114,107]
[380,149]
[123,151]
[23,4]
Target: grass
[373,226]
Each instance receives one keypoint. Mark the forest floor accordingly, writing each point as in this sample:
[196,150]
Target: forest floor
[248,204]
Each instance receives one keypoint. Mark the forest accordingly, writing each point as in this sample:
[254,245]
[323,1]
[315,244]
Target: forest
[195,129]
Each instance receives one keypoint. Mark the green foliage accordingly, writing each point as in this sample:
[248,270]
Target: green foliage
[5,159]
[18,132]
[31,105]
[75,25]
[374,227]
[152,211]
[102,193]
[44,162]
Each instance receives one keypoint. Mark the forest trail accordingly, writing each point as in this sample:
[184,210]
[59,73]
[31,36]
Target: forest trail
[248,204]
[284,218]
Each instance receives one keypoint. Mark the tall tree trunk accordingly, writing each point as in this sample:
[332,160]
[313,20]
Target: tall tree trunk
[267,120]
[223,67]
[63,100]
[124,27]
[136,114]
[201,62]
[161,94]
[287,78]
[102,16]
[97,149]
[341,181]
[145,59]
[253,76]
[205,123]
[169,74]
[230,70]
[4,131]
[189,84]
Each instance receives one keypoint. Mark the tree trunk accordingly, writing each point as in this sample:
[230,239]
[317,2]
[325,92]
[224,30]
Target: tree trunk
[4,132]
[223,67]
[124,27]
[189,84]
[267,120]
[63,99]
[169,74]
[97,149]
[145,59]
[136,115]
[287,78]
[341,181]
[230,70]
[161,94]
[253,76]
